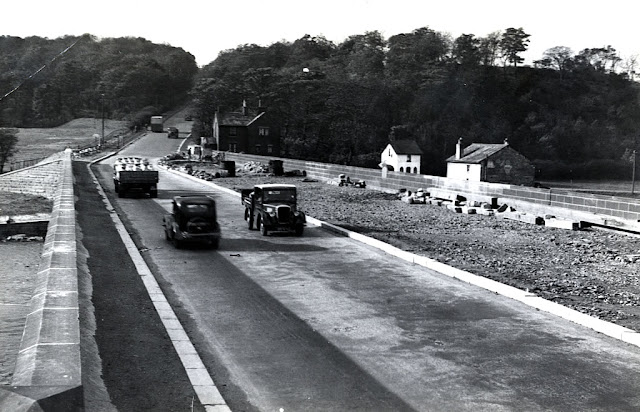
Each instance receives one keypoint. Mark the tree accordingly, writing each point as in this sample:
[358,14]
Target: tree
[514,42]
[466,50]
[489,47]
[8,141]
[557,58]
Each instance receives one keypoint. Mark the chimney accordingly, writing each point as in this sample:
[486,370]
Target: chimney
[506,142]
[459,149]
[261,108]
[245,111]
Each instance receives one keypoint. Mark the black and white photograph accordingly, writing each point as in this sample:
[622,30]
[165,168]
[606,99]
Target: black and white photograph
[287,206]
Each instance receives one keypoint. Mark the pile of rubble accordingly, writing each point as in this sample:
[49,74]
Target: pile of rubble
[252,168]
[23,238]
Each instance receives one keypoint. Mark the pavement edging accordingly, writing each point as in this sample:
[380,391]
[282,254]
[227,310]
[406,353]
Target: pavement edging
[530,299]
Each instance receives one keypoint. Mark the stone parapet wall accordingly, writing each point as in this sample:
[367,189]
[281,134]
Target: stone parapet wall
[48,367]
[604,210]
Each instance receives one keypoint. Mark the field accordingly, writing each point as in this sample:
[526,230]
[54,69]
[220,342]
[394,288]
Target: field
[37,143]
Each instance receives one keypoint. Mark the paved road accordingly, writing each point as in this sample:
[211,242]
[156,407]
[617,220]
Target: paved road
[325,323]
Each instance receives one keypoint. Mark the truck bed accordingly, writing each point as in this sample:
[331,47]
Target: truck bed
[137,176]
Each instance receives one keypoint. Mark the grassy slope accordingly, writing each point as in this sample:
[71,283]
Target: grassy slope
[12,204]
[35,143]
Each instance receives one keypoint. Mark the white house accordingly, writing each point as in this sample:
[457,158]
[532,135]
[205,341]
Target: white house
[496,163]
[401,156]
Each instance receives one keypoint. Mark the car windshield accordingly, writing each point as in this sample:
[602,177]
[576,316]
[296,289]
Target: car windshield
[280,195]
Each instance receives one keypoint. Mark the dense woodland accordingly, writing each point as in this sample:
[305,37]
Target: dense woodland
[576,115]
[50,82]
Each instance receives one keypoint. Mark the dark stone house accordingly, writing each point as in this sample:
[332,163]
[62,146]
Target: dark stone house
[495,163]
[246,131]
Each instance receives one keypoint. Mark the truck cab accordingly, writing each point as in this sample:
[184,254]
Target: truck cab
[192,219]
[273,208]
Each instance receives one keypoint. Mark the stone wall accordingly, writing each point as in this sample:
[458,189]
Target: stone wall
[48,367]
[41,179]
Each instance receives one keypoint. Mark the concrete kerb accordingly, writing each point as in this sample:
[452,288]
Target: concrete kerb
[530,299]
[47,375]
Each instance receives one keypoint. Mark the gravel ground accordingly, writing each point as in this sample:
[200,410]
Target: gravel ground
[587,270]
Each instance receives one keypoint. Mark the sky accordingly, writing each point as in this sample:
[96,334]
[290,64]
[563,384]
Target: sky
[204,28]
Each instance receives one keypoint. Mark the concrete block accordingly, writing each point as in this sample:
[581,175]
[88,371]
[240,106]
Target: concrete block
[562,224]
[468,210]
[454,208]
[486,212]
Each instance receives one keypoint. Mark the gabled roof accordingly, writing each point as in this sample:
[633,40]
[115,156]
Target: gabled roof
[477,152]
[237,119]
[405,147]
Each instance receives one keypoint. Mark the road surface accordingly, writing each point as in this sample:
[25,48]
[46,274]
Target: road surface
[324,323]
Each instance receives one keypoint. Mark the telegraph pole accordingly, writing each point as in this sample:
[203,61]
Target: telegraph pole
[102,115]
[633,173]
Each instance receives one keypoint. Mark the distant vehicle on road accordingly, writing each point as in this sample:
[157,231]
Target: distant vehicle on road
[192,220]
[273,208]
[173,133]
[157,123]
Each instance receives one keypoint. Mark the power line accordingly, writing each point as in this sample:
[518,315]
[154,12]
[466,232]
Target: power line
[40,69]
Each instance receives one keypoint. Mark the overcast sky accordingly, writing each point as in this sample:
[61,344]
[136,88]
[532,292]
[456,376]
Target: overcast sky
[206,27]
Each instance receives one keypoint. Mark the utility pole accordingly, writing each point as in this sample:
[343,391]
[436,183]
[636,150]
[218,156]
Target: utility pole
[102,114]
[633,173]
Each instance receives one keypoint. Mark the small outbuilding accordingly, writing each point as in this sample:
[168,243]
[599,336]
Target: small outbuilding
[495,163]
[402,156]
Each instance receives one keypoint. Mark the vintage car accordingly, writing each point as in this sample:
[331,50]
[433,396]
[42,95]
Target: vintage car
[192,219]
[173,133]
[273,208]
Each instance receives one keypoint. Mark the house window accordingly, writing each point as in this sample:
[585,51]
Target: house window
[468,168]
[408,158]
[402,169]
[269,148]
[258,149]
[232,147]
[415,170]
[233,131]
[390,155]
[263,131]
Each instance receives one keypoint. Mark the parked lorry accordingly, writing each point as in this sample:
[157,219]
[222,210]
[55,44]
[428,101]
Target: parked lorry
[273,208]
[157,124]
[132,173]
[192,219]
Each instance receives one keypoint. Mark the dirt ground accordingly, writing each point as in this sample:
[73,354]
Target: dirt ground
[589,270]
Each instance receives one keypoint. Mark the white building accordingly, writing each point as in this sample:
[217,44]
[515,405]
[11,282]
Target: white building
[401,156]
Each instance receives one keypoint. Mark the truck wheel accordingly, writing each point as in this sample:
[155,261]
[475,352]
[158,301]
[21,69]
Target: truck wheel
[299,230]
[214,244]
[153,193]
[248,218]
[263,229]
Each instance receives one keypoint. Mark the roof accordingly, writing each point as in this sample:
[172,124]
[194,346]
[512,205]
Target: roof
[194,200]
[276,186]
[405,147]
[477,152]
[237,119]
